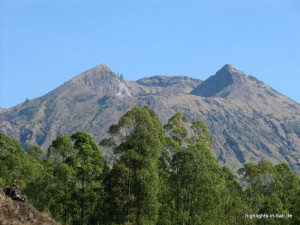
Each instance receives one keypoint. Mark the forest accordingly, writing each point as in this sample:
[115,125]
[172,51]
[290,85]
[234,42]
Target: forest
[165,175]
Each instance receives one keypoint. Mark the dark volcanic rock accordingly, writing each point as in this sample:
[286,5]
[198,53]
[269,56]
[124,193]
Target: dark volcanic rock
[14,193]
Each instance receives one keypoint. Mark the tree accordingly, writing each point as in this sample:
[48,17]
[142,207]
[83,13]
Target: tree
[61,149]
[41,192]
[235,204]
[36,151]
[15,165]
[271,190]
[196,186]
[133,184]
[63,175]
[273,205]
[88,163]
[286,185]
[71,183]
[287,190]
[259,180]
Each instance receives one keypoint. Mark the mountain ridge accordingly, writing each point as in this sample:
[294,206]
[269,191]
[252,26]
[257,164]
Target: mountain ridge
[244,115]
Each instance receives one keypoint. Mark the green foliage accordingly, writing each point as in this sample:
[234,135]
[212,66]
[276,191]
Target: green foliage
[70,184]
[161,175]
[271,189]
[271,205]
[36,151]
[62,148]
[88,163]
[196,188]
[133,183]
[15,165]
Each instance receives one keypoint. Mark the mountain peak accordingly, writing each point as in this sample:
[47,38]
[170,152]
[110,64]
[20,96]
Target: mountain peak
[224,78]
[98,81]
[102,66]
[101,71]
[230,69]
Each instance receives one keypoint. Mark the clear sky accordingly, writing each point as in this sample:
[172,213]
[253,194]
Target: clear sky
[44,43]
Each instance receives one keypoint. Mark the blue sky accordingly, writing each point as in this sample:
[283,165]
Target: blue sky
[45,43]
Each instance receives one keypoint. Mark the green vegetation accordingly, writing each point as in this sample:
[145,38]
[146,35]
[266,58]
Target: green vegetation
[133,183]
[161,175]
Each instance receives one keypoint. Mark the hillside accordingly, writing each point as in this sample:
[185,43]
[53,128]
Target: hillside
[248,119]
[19,213]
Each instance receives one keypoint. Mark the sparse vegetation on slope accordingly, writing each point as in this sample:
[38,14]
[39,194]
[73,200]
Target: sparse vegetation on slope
[20,213]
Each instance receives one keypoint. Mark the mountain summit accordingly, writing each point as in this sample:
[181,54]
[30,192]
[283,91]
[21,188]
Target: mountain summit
[222,83]
[100,80]
[248,119]
[231,83]
[95,74]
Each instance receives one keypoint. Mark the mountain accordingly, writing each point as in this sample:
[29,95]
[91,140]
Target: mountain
[248,119]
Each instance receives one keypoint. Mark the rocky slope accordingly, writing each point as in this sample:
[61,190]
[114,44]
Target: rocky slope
[15,211]
[248,119]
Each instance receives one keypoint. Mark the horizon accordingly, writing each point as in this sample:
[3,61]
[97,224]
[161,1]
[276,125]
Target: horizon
[164,75]
[45,44]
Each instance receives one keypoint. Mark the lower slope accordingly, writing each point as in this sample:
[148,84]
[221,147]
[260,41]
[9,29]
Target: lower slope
[20,213]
